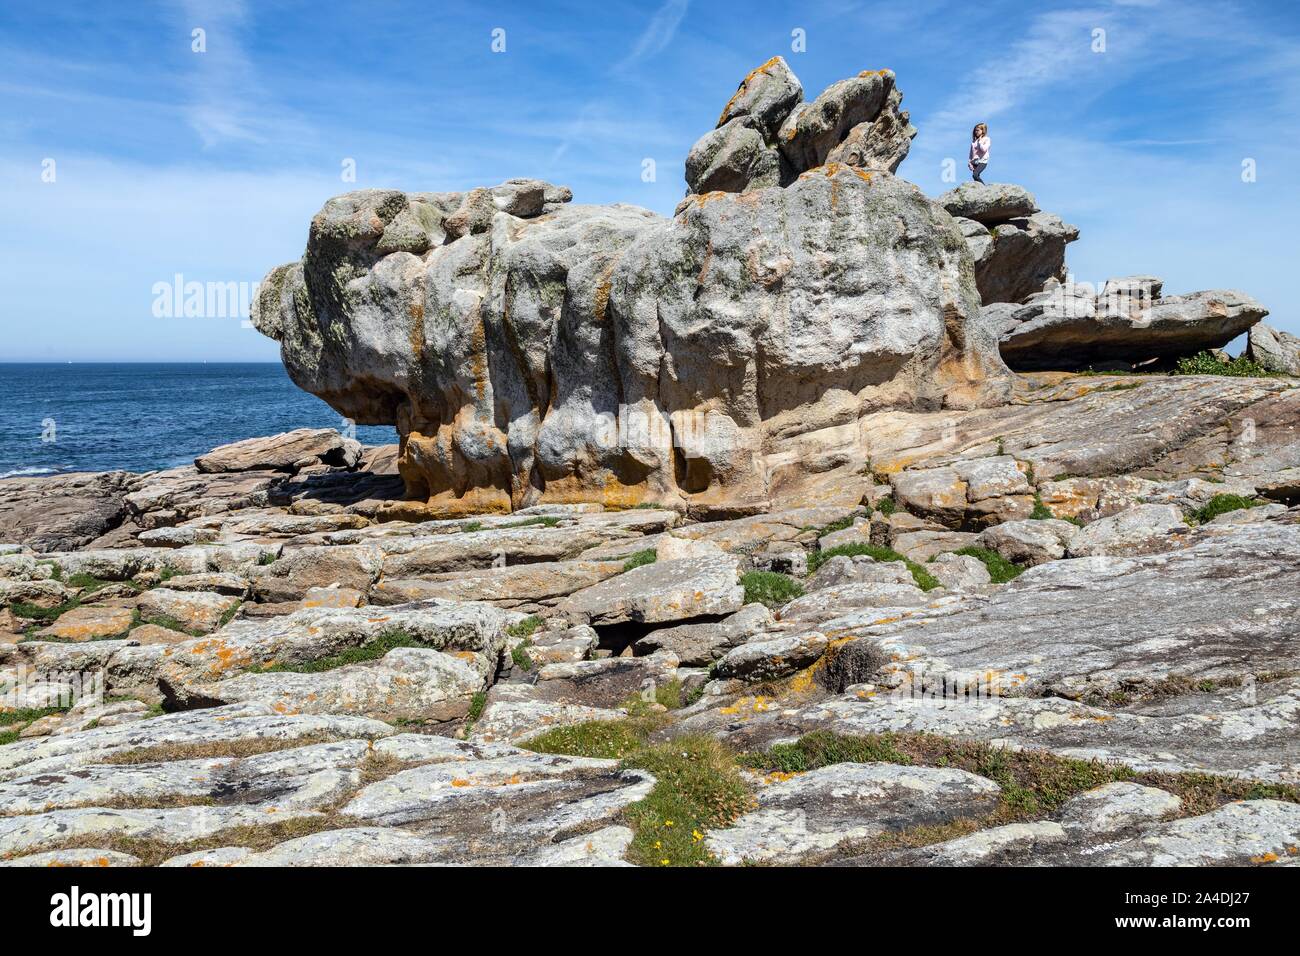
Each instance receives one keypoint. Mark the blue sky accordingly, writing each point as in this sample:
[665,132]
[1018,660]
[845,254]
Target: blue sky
[211,164]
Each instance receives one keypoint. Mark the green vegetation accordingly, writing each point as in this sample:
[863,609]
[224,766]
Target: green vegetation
[25,715]
[1034,785]
[640,558]
[837,525]
[668,696]
[886,506]
[370,651]
[471,526]
[88,583]
[1041,512]
[266,558]
[546,521]
[163,620]
[602,739]
[699,785]
[770,588]
[12,722]
[38,613]
[1000,569]
[476,705]
[698,788]
[924,579]
[526,627]
[1221,505]
[519,655]
[1203,363]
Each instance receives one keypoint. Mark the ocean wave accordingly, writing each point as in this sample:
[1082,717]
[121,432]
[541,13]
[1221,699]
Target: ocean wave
[28,472]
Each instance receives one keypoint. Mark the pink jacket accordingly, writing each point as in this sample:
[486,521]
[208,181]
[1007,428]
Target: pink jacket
[979,150]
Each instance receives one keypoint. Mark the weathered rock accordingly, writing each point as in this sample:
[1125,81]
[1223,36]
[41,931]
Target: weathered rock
[61,512]
[1117,806]
[293,575]
[607,683]
[833,601]
[859,569]
[921,546]
[514,583]
[1167,328]
[1029,542]
[699,645]
[279,775]
[959,572]
[40,831]
[501,808]
[518,711]
[985,846]
[1143,529]
[199,612]
[289,451]
[815,812]
[1193,627]
[1273,349]
[607,425]
[87,857]
[408,683]
[477,630]
[211,727]
[767,95]
[989,203]
[767,137]
[42,594]
[663,591]
[89,623]
[762,660]
[1251,831]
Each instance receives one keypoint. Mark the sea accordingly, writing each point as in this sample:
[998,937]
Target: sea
[145,417]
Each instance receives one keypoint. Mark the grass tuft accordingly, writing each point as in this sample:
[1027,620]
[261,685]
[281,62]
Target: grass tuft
[526,627]
[370,651]
[1000,569]
[640,559]
[770,588]
[1221,505]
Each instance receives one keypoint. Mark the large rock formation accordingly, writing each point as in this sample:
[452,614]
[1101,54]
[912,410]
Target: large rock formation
[766,135]
[1127,323]
[531,351]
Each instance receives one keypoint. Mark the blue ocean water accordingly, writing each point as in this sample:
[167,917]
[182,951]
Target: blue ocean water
[144,416]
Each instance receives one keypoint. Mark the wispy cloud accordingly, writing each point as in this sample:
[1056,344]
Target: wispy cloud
[226,101]
[659,32]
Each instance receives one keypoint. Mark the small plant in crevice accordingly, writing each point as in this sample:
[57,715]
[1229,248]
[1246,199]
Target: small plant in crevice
[1222,505]
[640,559]
[1000,569]
[770,588]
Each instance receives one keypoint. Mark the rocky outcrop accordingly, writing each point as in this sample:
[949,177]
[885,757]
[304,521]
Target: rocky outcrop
[1128,323]
[767,135]
[1274,350]
[291,451]
[607,354]
[1017,249]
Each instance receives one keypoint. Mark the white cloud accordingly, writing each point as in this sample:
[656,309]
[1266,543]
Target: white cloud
[657,34]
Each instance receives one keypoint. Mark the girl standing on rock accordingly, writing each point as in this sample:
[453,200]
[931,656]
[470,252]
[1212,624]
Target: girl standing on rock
[979,151]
